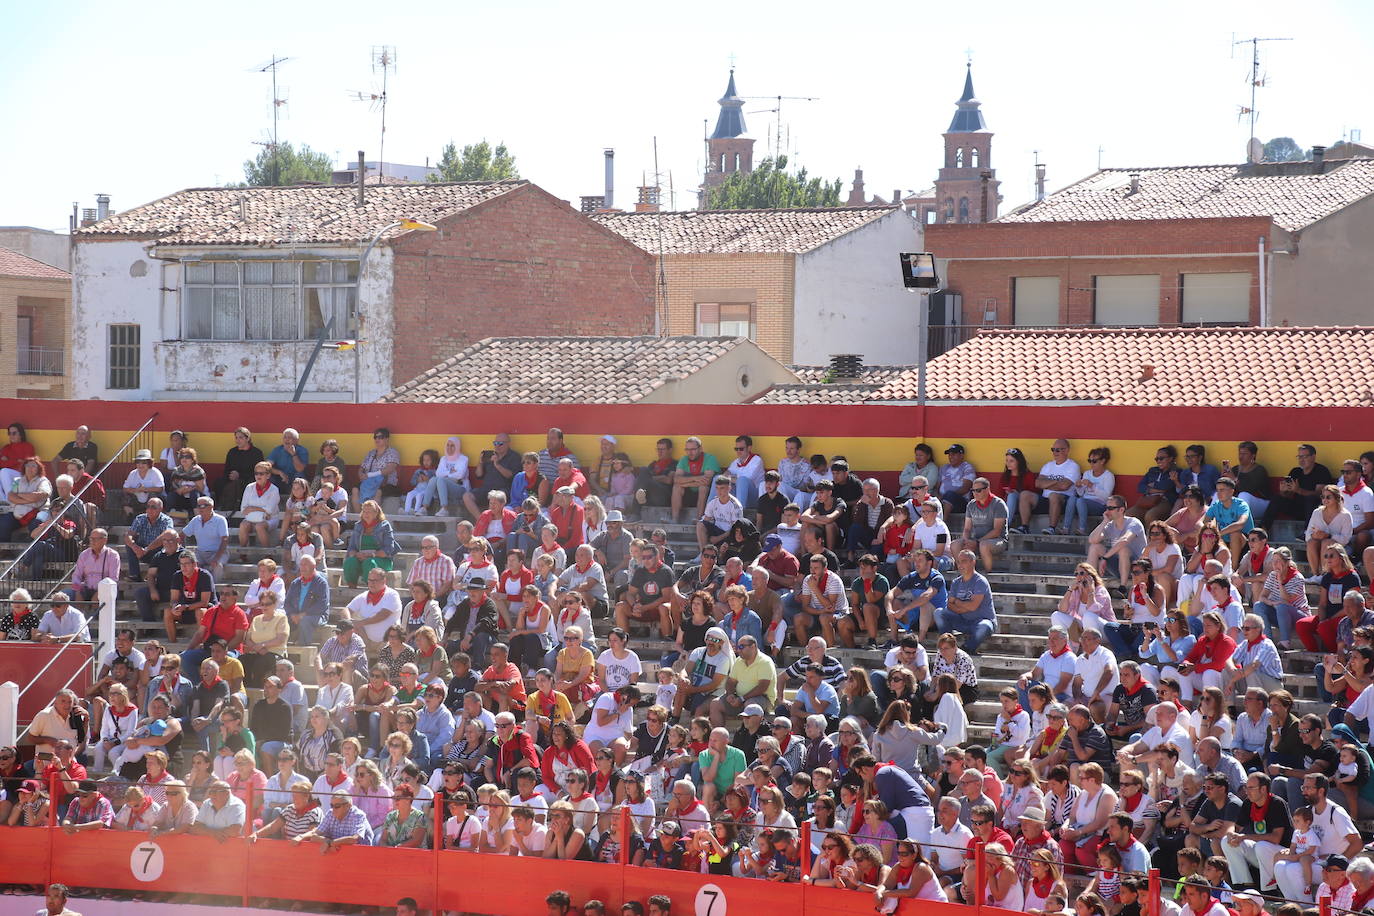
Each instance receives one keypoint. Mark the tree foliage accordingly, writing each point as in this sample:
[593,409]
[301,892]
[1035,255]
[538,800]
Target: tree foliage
[770,185]
[1283,149]
[476,162]
[283,165]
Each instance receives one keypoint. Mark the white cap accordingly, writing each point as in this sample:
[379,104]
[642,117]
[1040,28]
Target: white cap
[609,438]
[615,515]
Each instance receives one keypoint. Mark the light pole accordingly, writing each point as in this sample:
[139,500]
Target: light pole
[408,224]
[918,275]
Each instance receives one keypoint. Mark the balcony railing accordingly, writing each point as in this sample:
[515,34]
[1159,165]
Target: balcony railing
[41,361]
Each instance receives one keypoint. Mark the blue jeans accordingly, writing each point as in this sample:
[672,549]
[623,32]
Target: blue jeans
[975,630]
[746,491]
[303,629]
[1076,512]
[444,489]
[1013,498]
[1124,638]
[1280,617]
[369,487]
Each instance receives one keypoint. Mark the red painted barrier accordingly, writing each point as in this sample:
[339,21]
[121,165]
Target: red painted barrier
[461,881]
[21,661]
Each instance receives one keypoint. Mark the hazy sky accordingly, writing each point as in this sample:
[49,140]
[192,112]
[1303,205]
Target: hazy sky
[139,100]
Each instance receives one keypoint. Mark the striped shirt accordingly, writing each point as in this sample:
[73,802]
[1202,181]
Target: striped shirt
[296,822]
[438,572]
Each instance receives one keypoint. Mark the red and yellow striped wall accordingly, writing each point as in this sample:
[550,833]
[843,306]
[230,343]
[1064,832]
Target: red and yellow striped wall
[877,439]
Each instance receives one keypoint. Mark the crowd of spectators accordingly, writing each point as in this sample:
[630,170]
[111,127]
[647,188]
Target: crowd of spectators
[501,680]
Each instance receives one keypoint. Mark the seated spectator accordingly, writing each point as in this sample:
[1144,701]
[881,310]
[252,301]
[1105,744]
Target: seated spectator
[1016,486]
[289,460]
[527,532]
[695,472]
[985,523]
[956,480]
[1338,577]
[1120,539]
[1057,480]
[260,506]
[211,533]
[296,512]
[424,480]
[497,469]
[496,523]
[719,515]
[867,515]
[1086,605]
[1331,524]
[1091,491]
[1158,487]
[568,518]
[1256,662]
[969,609]
[97,562]
[62,622]
[143,531]
[222,815]
[186,482]
[144,480]
[1231,515]
[922,466]
[307,602]
[1166,558]
[371,545]
[1300,490]
[654,482]
[377,472]
[343,825]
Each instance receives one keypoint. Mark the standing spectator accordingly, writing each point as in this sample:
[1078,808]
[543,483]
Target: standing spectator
[238,468]
[695,472]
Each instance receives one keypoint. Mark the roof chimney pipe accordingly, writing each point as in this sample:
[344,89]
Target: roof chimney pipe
[1135,182]
[102,206]
[1318,159]
[362,177]
[610,179]
[1040,181]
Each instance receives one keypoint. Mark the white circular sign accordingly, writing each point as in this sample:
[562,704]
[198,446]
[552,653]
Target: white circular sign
[146,861]
[710,900]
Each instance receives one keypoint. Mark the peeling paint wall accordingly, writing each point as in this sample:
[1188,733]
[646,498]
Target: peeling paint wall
[850,298]
[118,282]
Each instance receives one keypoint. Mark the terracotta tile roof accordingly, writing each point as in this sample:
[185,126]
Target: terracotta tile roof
[558,370]
[287,215]
[1260,367]
[819,394]
[14,264]
[736,231]
[1293,200]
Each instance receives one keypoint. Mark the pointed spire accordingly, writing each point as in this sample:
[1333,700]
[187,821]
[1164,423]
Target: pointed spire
[968,118]
[731,120]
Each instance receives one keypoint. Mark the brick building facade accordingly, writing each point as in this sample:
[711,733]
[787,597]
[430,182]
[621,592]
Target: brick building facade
[35,308]
[522,263]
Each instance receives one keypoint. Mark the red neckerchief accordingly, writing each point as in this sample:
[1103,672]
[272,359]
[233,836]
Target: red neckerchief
[1358,900]
[343,777]
[1050,737]
[782,745]
[1016,712]
[1255,642]
[682,812]
[1138,593]
[368,526]
[131,708]
[267,586]
[1139,686]
[261,488]
[579,798]
[734,618]
[741,462]
[1060,652]
[213,683]
[1258,813]
[189,582]
[984,502]
[1292,573]
[867,586]
[603,781]
[1358,487]
[311,803]
[141,809]
[1042,888]
[378,599]
[1223,605]
[304,543]
[1132,804]
[904,874]
[417,616]
[1257,558]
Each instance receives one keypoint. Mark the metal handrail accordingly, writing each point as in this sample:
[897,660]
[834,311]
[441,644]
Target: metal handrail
[38,535]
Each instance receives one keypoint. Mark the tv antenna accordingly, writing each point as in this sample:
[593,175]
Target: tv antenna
[1256,82]
[777,101]
[277,103]
[384,62]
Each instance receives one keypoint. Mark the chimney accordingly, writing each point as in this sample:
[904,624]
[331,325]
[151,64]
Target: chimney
[1318,159]
[102,206]
[362,178]
[648,199]
[1135,182]
[1040,181]
[857,198]
[846,367]
[610,179]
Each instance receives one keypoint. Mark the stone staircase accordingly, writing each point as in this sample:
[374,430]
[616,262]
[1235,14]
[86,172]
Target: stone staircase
[1027,585]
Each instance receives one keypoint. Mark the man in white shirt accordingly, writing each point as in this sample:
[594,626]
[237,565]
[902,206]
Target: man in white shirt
[949,841]
[1166,730]
[1056,480]
[1332,827]
[376,609]
[790,529]
[211,533]
[1096,674]
[1359,499]
[1055,669]
[718,515]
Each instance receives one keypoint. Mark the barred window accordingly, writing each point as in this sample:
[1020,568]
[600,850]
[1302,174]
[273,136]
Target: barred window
[125,357]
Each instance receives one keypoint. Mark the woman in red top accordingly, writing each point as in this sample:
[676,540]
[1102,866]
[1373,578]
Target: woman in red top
[1017,487]
[1211,656]
[511,586]
[13,454]
[566,752]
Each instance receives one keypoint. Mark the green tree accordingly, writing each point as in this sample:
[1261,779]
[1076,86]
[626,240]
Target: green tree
[476,162]
[769,185]
[1283,149]
[282,165]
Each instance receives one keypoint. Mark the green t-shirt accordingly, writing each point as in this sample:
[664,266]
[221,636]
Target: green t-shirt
[734,765]
[709,466]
